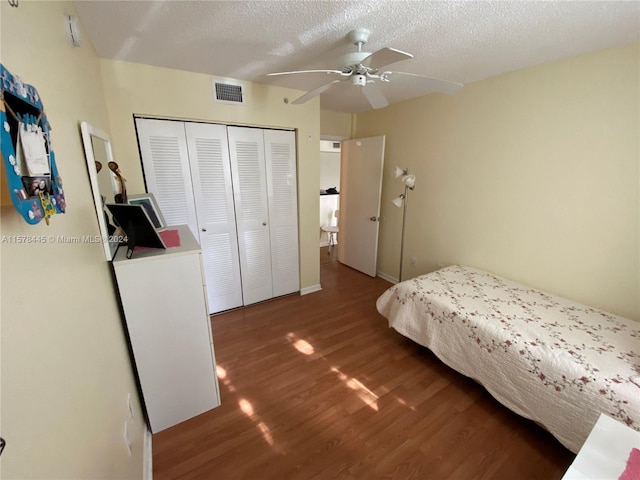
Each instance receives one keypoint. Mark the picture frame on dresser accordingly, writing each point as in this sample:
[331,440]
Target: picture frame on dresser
[137,225]
[148,201]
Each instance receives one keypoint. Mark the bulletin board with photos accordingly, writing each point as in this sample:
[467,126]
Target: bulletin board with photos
[35,186]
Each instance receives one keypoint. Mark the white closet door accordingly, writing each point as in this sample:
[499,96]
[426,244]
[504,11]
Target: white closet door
[165,161]
[280,161]
[213,194]
[246,148]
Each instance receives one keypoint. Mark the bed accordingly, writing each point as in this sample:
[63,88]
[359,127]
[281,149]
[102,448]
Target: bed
[551,360]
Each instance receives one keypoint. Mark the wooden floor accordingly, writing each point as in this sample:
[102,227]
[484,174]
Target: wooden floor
[328,255]
[318,387]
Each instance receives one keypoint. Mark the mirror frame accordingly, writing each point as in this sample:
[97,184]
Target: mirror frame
[110,244]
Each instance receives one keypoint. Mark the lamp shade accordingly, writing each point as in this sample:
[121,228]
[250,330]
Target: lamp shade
[398,201]
[398,172]
[409,180]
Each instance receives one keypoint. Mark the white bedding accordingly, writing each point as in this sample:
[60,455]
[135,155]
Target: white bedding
[556,362]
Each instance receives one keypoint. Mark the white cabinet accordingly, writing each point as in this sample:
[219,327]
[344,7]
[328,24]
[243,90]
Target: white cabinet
[236,188]
[607,452]
[163,298]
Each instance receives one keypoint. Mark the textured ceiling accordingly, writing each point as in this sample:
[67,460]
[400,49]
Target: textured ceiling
[451,40]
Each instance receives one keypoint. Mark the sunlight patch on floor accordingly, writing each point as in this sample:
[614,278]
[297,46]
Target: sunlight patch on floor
[266,433]
[221,373]
[299,344]
[403,403]
[367,396]
[246,407]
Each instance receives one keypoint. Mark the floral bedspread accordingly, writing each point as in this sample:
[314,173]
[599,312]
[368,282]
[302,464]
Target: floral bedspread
[554,361]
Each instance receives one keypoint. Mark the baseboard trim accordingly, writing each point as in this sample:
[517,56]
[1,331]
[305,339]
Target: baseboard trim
[311,289]
[386,277]
[147,458]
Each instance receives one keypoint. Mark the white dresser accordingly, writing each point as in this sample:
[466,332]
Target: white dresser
[164,301]
[605,453]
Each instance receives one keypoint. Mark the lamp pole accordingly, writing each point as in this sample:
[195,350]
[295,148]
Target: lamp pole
[409,184]
[404,216]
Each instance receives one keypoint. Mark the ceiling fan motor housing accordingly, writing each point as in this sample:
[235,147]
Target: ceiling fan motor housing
[349,62]
[359,80]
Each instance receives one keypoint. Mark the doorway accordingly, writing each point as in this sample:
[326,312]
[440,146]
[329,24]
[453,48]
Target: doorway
[355,208]
[329,193]
[361,164]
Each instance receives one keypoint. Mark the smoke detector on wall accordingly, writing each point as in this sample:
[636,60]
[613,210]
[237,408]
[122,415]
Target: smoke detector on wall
[74,35]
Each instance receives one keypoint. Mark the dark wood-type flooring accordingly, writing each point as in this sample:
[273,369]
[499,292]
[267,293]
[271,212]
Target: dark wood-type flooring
[318,387]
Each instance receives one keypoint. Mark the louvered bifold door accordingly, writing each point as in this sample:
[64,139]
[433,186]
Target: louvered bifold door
[165,160]
[213,194]
[246,148]
[280,161]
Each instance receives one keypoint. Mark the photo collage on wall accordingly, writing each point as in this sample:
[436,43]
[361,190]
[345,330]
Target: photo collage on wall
[35,187]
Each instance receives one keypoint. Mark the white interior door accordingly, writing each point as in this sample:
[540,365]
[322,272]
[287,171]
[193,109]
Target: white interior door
[280,163]
[361,166]
[246,148]
[165,160]
[213,195]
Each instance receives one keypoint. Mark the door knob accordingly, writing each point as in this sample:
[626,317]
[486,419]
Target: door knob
[374,219]
[204,229]
[264,224]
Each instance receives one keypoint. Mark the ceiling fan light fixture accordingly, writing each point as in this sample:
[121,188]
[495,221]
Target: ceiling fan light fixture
[359,80]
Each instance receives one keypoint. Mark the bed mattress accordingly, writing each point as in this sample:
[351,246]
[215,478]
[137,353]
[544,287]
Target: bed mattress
[554,361]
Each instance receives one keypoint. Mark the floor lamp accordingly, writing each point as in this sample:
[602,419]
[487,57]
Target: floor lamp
[409,181]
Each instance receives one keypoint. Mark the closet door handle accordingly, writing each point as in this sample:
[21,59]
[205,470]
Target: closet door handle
[204,229]
[264,224]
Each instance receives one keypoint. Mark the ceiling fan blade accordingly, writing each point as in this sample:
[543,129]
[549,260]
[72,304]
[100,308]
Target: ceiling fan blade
[433,84]
[385,56]
[336,72]
[374,95]
[315,92]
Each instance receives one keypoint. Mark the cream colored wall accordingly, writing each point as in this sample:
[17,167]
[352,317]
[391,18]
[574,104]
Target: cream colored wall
[136,89]
[533,175]
[65,368]
[335,124]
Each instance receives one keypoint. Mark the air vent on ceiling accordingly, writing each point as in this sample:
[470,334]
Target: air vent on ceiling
[228,92]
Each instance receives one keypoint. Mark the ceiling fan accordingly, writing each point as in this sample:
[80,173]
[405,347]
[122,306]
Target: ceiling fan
[365,70]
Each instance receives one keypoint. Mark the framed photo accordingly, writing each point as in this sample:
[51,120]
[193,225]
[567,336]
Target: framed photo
[148,201]
[35,185]
[137,225]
